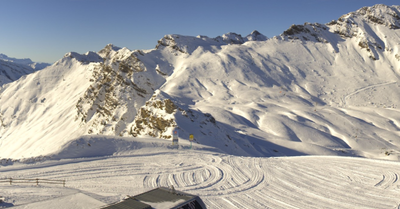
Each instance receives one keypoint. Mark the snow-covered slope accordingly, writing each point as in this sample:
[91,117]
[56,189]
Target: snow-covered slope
[315,89]
[12,69]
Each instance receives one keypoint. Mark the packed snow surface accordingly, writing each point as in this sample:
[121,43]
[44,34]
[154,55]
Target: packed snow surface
[221,181]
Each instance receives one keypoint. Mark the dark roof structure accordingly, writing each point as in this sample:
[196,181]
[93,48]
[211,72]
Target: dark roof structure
[160,198]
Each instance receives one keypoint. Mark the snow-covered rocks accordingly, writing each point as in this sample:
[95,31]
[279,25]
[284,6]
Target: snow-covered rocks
[256,36]
[188,44]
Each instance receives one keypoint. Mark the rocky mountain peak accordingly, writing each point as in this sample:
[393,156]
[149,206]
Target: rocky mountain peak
[256,36]
[307,32]
[379,14]
[347,25]
[231,38]
[105,52]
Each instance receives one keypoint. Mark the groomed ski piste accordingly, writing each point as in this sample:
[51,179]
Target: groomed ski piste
[97,178]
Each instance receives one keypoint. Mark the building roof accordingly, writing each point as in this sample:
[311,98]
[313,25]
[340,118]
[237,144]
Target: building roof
[163,194]
[158,198]
[129,203]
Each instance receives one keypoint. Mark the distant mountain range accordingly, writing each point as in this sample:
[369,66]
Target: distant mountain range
[12,69]
[316,89]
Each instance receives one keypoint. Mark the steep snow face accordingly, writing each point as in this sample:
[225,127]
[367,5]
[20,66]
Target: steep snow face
[316,89]
[38,111]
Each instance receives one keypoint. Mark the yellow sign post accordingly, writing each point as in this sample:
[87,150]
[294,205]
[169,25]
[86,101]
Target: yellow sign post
[191,137]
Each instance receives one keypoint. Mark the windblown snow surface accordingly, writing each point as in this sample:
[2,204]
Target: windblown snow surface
[307,119]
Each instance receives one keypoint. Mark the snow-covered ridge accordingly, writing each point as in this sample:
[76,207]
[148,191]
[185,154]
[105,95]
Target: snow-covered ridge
[348,25]
[85,58]
[388,16]
[187,44]
[368,26]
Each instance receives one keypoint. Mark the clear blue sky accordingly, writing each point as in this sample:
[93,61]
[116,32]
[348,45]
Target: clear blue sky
[44,30]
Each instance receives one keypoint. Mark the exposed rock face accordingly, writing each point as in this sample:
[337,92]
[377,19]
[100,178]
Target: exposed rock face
[160,116]
[307,32]
[105,52]
[155,119]
[119,87]
[169,41]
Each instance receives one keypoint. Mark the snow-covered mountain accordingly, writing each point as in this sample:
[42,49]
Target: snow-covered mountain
[25,61]
[12,69]
[324,89]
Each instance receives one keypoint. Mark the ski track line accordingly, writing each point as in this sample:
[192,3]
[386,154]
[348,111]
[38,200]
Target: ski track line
[186,177]
[237,177]
[389,180]
[365,88]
